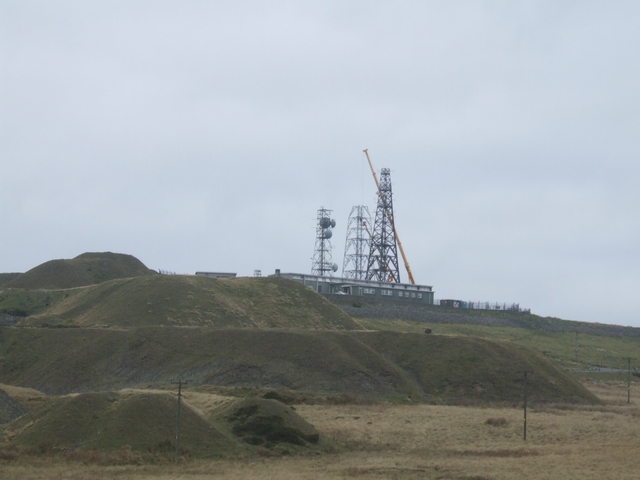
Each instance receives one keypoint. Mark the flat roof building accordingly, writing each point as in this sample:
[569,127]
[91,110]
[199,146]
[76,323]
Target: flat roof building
[368,289]
[216,274]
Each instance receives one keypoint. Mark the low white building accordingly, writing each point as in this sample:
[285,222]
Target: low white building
[363,288]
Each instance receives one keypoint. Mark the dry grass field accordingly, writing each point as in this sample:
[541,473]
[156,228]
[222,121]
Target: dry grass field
[385,441]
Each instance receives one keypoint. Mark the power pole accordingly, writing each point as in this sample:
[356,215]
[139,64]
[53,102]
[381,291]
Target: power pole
[628,378]
[525,405]
[179,383]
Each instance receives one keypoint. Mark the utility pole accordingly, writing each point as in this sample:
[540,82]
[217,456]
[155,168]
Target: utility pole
[179,383]
[628,378]
[525,405]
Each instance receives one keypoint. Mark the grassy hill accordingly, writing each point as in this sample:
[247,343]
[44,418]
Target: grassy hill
[368,364]
[85,269]
[560,347]
[467,368]
[181,300]
[435,314]
[110,421]
[7,277]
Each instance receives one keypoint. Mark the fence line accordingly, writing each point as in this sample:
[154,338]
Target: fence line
[472,305]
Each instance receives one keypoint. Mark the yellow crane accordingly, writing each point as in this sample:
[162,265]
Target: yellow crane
[390,217]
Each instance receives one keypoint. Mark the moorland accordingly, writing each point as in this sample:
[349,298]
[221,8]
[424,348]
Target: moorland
[283,383]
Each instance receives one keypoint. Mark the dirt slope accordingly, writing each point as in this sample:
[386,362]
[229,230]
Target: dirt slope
[10,409]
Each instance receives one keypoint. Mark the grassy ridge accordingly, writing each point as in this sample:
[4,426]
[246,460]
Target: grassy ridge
[85,269]
[377,365]
[395,310]
[558,346]
[474,368]
[183,301]
[7,277]
[93,359]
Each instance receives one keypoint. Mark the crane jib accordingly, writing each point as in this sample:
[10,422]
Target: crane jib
[390,217]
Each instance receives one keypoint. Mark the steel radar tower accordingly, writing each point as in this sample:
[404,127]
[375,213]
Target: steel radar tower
[383,253]
[322,259]
[356,247]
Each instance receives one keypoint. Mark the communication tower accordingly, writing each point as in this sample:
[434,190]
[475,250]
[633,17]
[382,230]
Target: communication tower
[383,253]
[356,248]
[322,261]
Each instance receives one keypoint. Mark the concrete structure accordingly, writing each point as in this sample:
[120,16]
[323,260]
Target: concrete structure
[216,274]
[367,289]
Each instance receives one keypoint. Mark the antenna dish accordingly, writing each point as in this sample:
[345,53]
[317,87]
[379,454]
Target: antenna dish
[333,223]
[334,267]
[327,233]
[325,222]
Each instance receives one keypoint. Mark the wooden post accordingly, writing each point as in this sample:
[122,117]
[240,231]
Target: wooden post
[179,383]
[525,405]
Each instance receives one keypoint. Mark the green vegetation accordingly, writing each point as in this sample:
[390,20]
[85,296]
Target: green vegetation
[181,300]
[268,423]
[104,322]
[7,277]
[22,303]
[459,369]
[110,421]
[85,269]
[376,365]
[593,350]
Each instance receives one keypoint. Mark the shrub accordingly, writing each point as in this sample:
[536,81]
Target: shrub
[496,422]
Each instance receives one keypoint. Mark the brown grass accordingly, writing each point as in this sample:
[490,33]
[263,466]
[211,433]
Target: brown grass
[496,422]
[28,397]
[385,441]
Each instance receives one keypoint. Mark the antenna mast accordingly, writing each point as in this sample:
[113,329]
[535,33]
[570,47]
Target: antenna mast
[383,249]
[322,261]
[356,248]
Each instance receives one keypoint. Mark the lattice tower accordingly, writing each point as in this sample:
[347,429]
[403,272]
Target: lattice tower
[383,253]
[356,248]
[322,259]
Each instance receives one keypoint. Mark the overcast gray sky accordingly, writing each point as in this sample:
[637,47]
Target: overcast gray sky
[205,135]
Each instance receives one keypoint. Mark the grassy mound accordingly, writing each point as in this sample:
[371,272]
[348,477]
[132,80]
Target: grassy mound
[377,365]
[110,421]
[268,423]
[463,368]
[71,360]
[180,300]
[85,269]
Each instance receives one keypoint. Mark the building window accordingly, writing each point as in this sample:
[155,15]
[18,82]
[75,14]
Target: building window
[413,295]
[369,291]
[419,295]
[386,292]
[400,294]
